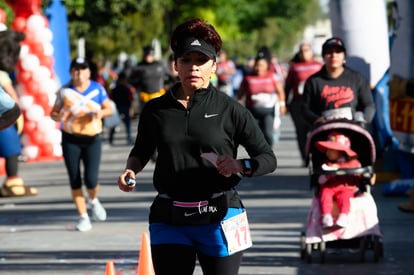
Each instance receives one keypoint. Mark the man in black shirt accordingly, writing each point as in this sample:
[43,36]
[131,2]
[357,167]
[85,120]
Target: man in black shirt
[148,77]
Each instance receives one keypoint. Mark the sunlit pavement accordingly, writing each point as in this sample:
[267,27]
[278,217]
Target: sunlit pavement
[38,233]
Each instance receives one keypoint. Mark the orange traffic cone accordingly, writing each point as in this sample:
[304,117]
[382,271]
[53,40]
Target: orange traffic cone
[145,266]
[110,268]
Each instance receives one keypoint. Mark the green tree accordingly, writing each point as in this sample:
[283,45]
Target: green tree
[112,26]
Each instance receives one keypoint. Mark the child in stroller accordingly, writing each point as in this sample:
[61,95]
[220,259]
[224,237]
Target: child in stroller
[359,227]
[340,188]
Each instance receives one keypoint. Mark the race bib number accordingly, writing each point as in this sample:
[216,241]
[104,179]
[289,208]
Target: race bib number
[237,232]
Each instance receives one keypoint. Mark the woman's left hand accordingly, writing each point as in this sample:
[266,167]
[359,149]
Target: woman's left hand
[282,110]
[227,165]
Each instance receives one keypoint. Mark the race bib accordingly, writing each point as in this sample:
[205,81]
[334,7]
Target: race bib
[264,100]
[237,232]
[343,112]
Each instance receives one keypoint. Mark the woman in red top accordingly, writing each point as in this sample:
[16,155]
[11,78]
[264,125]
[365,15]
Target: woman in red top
[299,72]
[262,91]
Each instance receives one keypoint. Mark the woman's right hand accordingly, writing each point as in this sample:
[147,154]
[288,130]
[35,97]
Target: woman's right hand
[56,116]
[127,175]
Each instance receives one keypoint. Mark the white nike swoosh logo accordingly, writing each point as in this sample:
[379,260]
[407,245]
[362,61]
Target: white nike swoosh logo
[210,115]
[189,214]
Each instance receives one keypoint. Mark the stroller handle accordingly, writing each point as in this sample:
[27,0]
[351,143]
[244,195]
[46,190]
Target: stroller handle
[366,171]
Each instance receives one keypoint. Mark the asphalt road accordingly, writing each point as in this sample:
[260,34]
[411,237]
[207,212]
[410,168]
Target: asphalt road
[38,236]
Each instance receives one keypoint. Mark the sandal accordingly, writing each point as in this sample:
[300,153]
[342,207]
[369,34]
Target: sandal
[15,187]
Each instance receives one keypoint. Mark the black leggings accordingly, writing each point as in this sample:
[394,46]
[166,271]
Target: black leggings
[87,149]
[265,117]
[181,259]
[12,165]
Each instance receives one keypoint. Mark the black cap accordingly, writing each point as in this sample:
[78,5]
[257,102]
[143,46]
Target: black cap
[79,63]
[148,50]
[193,44]
[333,42]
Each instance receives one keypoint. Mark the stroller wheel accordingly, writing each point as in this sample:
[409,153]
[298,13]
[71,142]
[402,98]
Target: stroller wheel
[363,243]
[309,248]
[302,245]
[322,250]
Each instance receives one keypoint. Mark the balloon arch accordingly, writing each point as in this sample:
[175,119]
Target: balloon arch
[37,82]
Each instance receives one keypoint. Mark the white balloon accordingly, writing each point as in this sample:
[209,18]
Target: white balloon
[24,50]
[35,113]
[35,21]
[43,35]
[48,86]
[31,151]
[26,101]
[57,150]
[52,98]
[53,136]
[48,49]
[46,125]
[30,62]
[41,74]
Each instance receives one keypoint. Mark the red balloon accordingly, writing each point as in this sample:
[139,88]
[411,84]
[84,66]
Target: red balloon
[30,38]
[36,137]
[19,24]
[29,126]
[32,87]
[35,47]
[25,8]
[23,76]
[42,99]
[47,109]
[46,150]
[47,61]
[3,16]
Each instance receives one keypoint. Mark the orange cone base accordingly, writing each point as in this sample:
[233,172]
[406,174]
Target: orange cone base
[145,266]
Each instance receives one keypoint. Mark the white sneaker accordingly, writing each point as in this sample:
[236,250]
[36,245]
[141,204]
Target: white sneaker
[98,211]
[342,220]
[84,224]
[327,221]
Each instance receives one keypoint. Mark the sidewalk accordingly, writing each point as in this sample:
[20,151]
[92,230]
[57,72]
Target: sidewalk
[38,236]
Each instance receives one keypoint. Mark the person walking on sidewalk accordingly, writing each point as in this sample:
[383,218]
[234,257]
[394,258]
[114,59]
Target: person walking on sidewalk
[335,90]
[263,95]
[299,71]
[197,130]
[80,106]
[10,145]
[123,95]
[148,77]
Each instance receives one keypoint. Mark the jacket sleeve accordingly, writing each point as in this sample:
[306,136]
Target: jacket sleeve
[365,100]
[249,135]
[308,96]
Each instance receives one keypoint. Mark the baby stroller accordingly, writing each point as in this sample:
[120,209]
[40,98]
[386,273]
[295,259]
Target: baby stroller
[363,232]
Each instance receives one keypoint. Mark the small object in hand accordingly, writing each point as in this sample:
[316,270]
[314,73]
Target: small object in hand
[130,181]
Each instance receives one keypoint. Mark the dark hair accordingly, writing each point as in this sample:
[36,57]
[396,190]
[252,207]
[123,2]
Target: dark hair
[10,49]
[197,28]
[264,52]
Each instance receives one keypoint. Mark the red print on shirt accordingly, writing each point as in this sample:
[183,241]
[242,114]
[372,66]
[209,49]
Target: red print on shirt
[337,96]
